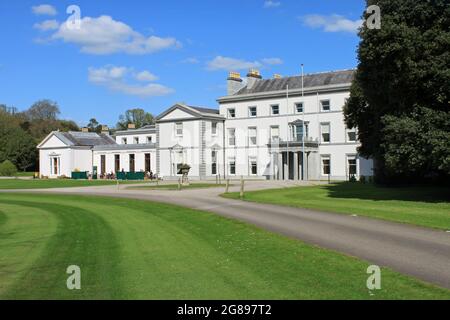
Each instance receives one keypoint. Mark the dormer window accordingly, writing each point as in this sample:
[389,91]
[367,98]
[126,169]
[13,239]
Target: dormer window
[124,140]
[136,140]
[149,139]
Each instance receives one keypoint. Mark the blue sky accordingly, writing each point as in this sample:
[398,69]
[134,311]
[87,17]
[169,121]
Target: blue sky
[151,54]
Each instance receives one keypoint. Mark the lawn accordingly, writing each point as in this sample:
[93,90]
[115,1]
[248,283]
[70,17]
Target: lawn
[175,186]
[56,183]
[423,206]
[135,249]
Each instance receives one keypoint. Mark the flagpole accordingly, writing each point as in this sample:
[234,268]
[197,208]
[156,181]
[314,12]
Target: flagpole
[303,129]
[287,140]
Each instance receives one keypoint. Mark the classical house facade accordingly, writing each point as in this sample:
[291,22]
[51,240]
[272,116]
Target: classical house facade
[281,128]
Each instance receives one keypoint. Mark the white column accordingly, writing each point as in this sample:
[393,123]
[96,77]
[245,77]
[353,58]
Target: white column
[286,167]
[280,166]
[296,165]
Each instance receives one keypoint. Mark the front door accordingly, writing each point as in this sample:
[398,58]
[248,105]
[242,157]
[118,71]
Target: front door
[55,166]
[102,164]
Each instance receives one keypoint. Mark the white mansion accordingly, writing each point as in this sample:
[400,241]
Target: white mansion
[280,128]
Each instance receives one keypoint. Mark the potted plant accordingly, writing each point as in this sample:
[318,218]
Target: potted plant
[183,169]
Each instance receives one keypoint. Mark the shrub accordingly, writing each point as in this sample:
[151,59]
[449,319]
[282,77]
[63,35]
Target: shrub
[352,178]
[7,169]
[362,179]
[371,179]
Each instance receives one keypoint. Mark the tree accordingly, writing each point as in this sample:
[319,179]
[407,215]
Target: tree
[94,126]
[17,146]
[399,100]
[43,110]
[7,169]
[137,116]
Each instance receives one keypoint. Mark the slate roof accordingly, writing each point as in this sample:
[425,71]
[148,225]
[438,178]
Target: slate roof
[310,80]
[205,110]
[85,139]
[118,147]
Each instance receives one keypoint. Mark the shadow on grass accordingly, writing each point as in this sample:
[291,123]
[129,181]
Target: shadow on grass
[356,190]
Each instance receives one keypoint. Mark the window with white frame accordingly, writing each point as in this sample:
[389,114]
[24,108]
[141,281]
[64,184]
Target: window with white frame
[232,166]
[326,165]
[274,133]
[252,112]
[232,136]
[214,128]
[232,113]
[351,165]
[275,109]
[124,140]
[253,166]
[179,129]
[252,136]
[149,139]
[351,135]
[299,107]
[325,132]
[213,162]
[136,140]
[325,105]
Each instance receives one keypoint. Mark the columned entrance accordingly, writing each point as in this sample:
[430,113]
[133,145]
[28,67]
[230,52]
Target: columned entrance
[292,160]
[289,166]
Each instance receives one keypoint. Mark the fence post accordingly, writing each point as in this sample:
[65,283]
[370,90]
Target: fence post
[227,185]
[179,184]
[241,194]
[118,186]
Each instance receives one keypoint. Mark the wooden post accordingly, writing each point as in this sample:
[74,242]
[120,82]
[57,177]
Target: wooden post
[217,180]
[241,194]
[179,184]
[118,187]
[220,181]
[227,185]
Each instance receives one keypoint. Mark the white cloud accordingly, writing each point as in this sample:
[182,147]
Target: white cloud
[191,61]
[104,35]
[272,61]
[232,64]
[47,25]
[228,64]
[332,23]
[146,76]
[44,9]
[271,4]
[115,79]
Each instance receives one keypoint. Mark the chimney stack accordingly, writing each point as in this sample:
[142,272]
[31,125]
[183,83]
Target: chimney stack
[84,129]
[277,76]
[131,126]
[252,77]
[234,83]
[105,129]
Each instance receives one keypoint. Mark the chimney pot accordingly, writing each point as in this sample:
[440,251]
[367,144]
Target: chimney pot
[234,83]
[131,126]
[252,77]
[84,129]
[277,76]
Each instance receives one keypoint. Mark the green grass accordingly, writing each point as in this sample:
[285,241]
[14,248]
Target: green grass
[423,206]
[25,174]
[135,249]
[175,186]
[56,183]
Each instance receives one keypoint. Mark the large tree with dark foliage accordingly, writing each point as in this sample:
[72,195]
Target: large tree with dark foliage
[401,93]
